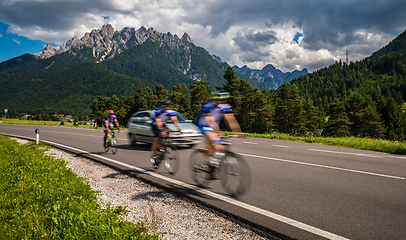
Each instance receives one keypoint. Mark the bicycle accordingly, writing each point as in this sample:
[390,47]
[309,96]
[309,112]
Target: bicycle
[111,142]
[232,171]
[167,152]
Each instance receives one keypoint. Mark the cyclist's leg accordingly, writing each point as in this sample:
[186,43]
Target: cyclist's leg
[214,143]
[155,143]
[105,134]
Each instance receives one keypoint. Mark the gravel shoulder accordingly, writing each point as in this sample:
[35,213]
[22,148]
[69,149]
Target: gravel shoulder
[167,214]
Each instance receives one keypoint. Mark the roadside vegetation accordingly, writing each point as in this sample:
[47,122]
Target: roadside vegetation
[379,145]
[44,123]
[40,198]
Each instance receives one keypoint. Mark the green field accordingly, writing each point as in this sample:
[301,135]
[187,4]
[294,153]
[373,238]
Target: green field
[44,123]
[40,198]
[387,146]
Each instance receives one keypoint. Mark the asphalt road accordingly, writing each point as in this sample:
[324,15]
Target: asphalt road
[300,190]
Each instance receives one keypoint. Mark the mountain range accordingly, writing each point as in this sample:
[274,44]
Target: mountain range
[105,62]
[270,75]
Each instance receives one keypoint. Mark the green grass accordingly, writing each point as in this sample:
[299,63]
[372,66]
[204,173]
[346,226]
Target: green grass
[40,198]
[380,145]
[45,123]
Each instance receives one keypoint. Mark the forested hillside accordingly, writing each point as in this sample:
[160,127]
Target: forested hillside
[385,76]
[384,73]
[398,45]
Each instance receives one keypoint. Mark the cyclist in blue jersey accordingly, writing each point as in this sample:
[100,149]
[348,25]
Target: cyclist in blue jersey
[208,121]
[108,122]
[159,124]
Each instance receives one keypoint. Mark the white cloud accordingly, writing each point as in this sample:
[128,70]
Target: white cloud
[241,32]
[16,41]
[1,36]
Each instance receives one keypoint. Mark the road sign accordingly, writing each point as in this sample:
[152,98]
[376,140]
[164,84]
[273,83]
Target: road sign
[5,110]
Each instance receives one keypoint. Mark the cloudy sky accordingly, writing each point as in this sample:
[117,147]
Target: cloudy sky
[290,34]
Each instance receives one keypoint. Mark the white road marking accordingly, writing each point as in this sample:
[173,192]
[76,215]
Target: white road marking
[397,157]
[347,153]
[250,142]
[323,166]
[237,203]
[281,146]
[97,136]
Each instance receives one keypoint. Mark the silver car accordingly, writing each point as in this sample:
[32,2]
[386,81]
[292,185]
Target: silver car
[140,130]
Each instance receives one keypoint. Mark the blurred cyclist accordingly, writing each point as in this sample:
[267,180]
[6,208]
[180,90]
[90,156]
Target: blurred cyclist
[208,121]
[108,121]
[159,125]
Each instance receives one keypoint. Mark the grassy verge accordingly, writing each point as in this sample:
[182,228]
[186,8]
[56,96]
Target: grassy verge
[350,142]
[45,123]
[40,198]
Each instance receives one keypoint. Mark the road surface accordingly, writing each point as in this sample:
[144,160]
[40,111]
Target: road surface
[300,190]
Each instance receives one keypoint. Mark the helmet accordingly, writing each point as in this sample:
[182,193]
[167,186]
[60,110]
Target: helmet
[110,112]
[166,102]
[219,95]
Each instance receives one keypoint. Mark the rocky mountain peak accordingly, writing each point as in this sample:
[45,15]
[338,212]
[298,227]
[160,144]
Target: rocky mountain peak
[47,51]
[107,42]
[187,38]
[270,75]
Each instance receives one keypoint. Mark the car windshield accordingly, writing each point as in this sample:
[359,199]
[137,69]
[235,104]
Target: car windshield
[180,117]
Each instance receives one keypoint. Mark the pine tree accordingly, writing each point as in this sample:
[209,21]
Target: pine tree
[311,118]
[232,86]
[200,94]
[355,105]
[371,123]
[338,122]
[289,114]
[150,99]
[396,121]
[181,99]
[161,93]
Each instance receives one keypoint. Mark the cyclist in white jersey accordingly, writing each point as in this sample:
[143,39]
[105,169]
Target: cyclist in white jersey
[162,114]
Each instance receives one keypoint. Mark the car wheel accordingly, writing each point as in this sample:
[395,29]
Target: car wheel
[133,140]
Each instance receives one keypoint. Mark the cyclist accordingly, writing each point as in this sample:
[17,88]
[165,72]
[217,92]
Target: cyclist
[108,121]
[208,121]
[159,125]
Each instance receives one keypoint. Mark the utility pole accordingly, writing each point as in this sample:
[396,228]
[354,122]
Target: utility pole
[346,56]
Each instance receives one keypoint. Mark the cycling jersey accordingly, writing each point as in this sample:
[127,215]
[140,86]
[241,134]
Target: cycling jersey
[110,120]
[163,115]
[216,111]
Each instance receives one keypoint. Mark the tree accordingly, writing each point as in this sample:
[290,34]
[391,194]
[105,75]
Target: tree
[396,121]
[181,99]
[99,108]
[200,94]
[161,93]
[232,86]
[338,122]
[355,105]
[310,116]
[289,114]
[371,121]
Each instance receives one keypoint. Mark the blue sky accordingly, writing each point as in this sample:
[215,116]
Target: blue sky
[13,45]
[289,34]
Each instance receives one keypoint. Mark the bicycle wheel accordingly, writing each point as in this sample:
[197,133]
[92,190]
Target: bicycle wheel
[200,167]
[235,176]
[171,159]
[114,145]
